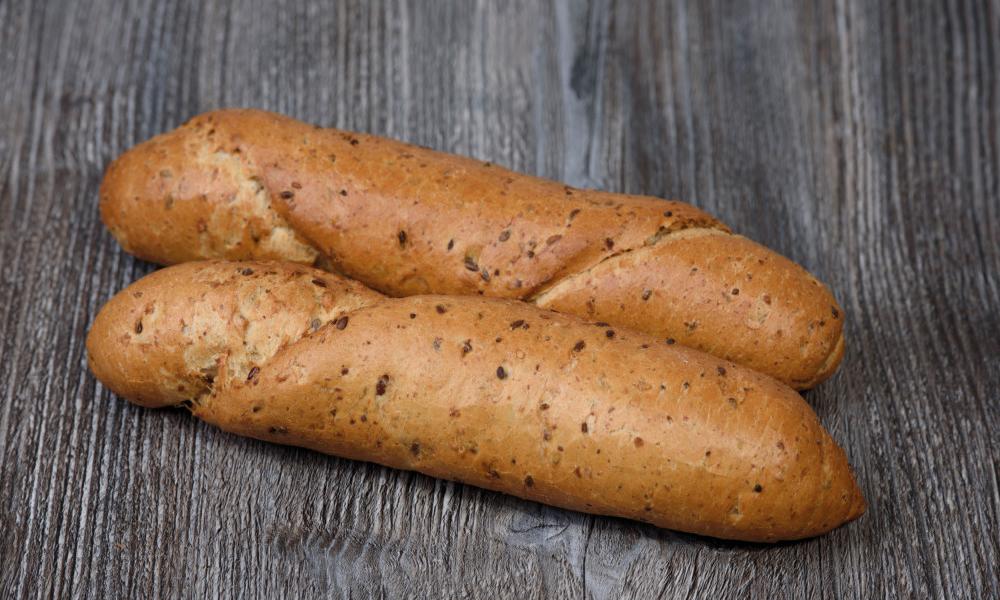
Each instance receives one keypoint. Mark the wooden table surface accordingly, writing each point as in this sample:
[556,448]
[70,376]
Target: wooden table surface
[861,139]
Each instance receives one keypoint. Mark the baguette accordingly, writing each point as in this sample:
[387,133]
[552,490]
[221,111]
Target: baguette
[405,220]
[489,392]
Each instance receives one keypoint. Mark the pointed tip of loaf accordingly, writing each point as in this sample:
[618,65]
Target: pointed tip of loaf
[830,364]
[117,356]
[840,499]
[835,498]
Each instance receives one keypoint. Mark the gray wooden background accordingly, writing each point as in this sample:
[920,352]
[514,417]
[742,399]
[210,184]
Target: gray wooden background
[861,139]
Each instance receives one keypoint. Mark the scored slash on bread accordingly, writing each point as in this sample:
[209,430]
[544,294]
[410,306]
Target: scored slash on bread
[405,220]
[491,392]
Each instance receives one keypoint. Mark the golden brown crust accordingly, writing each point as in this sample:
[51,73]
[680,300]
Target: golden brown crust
[408,220]
[164,339]
[176,198]
[494,393]
[717,292]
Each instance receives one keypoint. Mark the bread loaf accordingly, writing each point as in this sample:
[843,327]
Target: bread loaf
[405,220]
[490,392]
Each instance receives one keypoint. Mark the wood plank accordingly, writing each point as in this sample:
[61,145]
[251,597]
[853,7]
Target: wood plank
[860,139]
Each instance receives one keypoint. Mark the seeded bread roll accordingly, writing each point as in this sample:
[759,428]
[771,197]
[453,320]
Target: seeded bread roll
[405,220]
[490,392]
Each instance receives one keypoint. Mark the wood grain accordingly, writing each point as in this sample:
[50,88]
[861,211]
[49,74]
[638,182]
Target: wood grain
[861,139]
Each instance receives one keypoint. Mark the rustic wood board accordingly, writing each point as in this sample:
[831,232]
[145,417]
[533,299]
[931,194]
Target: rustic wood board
[862,139]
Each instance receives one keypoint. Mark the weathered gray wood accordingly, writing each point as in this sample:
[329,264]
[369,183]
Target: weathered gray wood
[859,138]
